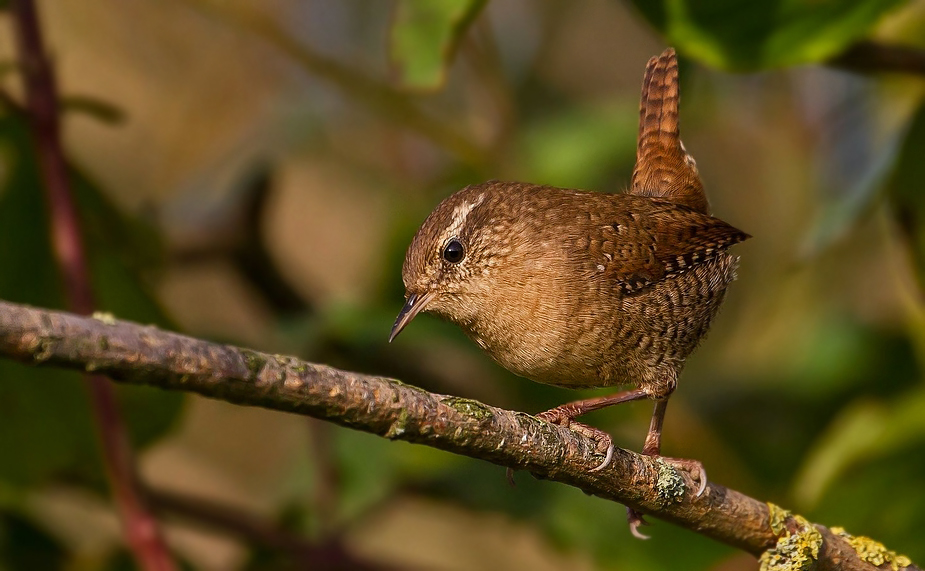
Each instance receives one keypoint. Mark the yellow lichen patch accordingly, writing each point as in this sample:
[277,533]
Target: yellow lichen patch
[794,551]
[104,317]
[777,517]
[873,552]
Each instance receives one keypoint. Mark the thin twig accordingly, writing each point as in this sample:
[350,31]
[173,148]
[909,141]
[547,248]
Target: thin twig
[870,57]
[146,355]
[41,104]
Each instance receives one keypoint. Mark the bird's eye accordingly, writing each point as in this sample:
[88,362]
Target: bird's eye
[454,252]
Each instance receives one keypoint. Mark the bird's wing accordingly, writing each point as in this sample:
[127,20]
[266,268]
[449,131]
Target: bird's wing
[640,249]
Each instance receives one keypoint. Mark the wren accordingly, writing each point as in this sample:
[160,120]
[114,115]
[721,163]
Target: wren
[582,289]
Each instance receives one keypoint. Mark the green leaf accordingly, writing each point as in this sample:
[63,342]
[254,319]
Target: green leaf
[424,37]
[864,471]
[735,35]
[852,436]
[865,431]
[47,426]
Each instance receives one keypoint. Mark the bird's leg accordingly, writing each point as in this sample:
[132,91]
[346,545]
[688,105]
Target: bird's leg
[653,444]
[652,447]
[564,415]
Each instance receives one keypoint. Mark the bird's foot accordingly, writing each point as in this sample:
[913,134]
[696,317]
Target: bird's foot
[602,439]
[692,467]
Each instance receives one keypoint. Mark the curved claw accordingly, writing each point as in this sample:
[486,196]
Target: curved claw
[702,477]
[608,457]
[635,520]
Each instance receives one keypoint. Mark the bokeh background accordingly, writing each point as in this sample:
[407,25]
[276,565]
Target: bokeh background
[251,172]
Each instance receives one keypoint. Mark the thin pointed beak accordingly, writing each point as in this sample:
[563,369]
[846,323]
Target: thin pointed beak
[415,304]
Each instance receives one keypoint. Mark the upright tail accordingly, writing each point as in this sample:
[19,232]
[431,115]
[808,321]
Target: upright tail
[663,167]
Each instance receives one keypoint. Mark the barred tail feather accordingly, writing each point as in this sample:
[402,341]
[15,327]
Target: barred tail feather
[664,169]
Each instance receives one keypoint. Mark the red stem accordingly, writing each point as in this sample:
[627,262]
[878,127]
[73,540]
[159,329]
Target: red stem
[140,527]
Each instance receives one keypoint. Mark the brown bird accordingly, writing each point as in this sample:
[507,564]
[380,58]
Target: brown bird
[581,289]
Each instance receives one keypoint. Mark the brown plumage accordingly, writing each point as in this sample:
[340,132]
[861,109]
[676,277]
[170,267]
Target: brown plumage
[582,289]
[664,169]
[573,288]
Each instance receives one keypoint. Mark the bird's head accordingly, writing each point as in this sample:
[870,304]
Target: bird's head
[451,263]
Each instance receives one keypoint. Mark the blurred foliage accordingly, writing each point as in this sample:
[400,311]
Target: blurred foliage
[358,118]
[761,35]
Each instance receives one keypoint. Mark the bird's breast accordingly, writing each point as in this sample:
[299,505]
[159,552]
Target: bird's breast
[551,323]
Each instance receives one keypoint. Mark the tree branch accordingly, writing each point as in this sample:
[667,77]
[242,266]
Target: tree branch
[145,355]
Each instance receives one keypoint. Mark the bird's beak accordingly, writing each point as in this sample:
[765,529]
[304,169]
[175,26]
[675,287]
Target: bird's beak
[415,304]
